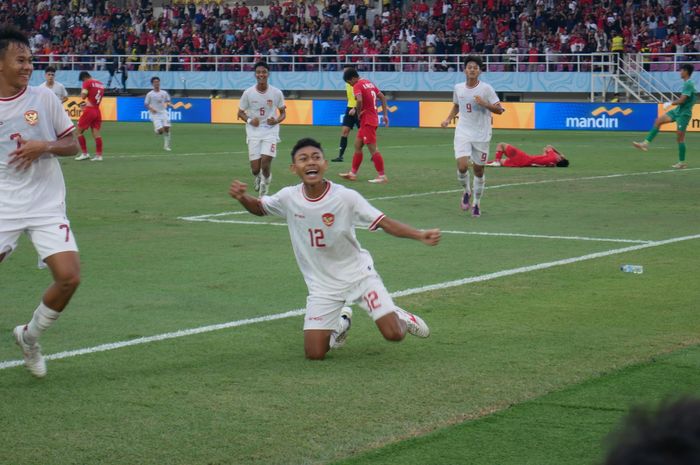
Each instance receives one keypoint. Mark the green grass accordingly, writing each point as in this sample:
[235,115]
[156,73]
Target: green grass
[535,367]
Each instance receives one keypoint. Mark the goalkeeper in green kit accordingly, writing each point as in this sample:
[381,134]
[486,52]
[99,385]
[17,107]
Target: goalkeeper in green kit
[682,115]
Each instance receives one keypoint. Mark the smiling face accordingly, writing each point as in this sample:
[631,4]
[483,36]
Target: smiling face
[261,75]
[310,165]
[15,69]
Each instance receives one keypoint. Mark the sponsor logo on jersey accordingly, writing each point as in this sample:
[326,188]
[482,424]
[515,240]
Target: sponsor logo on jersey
[269,103]
[328,219]
[31,117]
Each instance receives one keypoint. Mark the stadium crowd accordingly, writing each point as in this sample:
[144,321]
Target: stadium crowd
[343,31]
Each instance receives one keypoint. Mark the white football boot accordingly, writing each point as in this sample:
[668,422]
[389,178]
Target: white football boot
[33,359]
[415,324]
[338,338]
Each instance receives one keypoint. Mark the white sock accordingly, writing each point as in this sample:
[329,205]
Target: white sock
[463,179]
[40,322]
[479,183]
[166,136]
[267,180]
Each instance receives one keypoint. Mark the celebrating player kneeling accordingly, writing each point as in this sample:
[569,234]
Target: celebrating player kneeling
[321,217]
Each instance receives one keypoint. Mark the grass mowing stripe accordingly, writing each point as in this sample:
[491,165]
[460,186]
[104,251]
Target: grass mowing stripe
[540,266]
[298,312]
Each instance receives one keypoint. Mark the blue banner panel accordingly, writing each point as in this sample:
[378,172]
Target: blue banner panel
[184,110]
[595,116]
[401,114]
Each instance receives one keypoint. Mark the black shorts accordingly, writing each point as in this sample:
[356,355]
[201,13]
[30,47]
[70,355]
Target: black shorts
[349,120]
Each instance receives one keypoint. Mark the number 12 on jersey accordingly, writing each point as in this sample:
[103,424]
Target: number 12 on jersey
[316,237]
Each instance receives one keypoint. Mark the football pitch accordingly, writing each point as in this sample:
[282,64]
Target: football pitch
[183,345]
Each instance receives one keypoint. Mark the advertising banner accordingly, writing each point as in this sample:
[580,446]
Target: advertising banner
[226,111]
[184,110]
[108,108]
[693,126]
[516,116]
[330,113]
[595,116]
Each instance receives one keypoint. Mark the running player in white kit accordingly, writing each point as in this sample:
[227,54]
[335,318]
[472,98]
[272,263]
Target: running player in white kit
[322,217]
[259,108]
[157,102]
[474,100]
[34,130]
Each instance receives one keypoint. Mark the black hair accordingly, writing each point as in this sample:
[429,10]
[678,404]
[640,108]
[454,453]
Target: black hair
[669,434]
[263,64]
[305,142]
[50,69]
[688,67]
[563,163]
[349,74]
[83,76]
[11,35]
[476,59]
[154,78]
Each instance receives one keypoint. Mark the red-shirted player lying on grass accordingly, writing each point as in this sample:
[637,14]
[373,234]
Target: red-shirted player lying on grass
[516,158]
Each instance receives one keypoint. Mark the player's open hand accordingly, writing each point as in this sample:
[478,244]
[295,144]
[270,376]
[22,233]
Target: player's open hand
[386,120]
[445,123]
[430,237]
[237,189]
[27,151]
[271,121]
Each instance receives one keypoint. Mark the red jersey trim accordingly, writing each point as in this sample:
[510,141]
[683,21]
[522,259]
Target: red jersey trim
[9,99]
[67,131]
[317,199]
[375,223]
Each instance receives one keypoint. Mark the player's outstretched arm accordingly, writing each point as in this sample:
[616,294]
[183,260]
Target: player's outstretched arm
[29,150]
[253,205]
[395,228]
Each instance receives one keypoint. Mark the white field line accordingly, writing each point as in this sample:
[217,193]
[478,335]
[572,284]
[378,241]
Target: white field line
[469,233]
[406,292]
[530,183]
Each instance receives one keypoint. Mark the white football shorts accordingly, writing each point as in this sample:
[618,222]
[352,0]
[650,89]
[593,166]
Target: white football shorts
[160,121]
[260,147]
[477,151]
[323,311]
[50,235]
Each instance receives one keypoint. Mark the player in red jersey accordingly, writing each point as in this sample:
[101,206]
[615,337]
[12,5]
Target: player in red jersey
[366,94]
[92,93]
[516,158]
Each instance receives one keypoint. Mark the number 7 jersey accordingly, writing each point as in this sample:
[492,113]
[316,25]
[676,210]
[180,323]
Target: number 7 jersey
[323,237]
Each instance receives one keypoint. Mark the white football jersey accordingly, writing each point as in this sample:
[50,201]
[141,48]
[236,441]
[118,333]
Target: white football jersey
[262,105]
[322,231]
[58,89]
[474,121]
[158,101]
[33,114]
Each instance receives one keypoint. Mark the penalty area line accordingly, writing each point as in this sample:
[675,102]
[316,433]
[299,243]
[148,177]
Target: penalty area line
[403,293]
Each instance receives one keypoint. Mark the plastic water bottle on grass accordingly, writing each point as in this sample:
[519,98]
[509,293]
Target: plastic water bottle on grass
[636,269]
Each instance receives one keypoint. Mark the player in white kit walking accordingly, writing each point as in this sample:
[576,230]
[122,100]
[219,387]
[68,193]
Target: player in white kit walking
[321,217]
[34,130]
[262,108]
[52,84]
[157,102]
[474,100]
